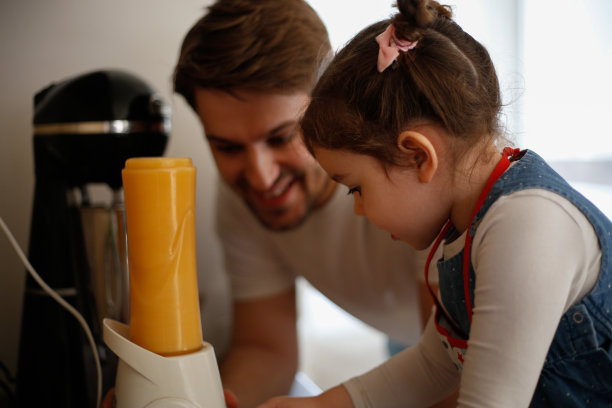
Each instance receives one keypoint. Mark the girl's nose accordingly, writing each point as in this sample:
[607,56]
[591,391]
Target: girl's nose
[261,168]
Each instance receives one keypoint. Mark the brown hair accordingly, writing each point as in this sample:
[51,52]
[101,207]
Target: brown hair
[447,79]
[264,45]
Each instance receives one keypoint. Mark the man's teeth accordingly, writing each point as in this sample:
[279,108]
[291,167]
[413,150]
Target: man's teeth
[277,191]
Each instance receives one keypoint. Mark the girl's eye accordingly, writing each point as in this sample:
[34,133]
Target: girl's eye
[354,190]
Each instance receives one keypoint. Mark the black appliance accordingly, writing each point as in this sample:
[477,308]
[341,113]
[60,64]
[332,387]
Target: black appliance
[85,127]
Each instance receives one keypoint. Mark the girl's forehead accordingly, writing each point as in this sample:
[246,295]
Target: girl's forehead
[341,164]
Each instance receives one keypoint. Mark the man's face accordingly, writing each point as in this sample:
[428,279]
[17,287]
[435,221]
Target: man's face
[255,141]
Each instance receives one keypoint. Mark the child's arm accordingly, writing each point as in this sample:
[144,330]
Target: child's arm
[419,376]
[336,397]
[416,377]
[534,255]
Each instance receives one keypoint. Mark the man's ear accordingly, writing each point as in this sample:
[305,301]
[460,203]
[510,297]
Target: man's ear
[419,152]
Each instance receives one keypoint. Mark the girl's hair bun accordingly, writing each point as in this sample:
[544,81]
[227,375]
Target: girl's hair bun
[417,15]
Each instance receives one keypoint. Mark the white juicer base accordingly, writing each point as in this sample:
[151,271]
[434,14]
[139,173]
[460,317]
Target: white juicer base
[146,379]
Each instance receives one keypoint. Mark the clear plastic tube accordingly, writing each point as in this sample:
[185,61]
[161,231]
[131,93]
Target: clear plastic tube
[159,198]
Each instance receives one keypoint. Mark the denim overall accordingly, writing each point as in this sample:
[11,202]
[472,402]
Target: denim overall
[577,371]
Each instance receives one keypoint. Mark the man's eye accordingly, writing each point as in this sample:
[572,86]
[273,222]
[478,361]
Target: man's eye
[281,140]
[354,190]
[228,149]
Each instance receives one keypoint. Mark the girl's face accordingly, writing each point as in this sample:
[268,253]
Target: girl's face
[395,200]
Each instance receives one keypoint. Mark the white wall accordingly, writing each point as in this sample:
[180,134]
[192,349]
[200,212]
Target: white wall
[567,98]
[46,41]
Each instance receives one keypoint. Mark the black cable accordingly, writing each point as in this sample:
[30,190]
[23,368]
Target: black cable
[7,385]
[7,373]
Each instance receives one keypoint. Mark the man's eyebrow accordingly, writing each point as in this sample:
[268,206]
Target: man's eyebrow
[282,126]
[218,139]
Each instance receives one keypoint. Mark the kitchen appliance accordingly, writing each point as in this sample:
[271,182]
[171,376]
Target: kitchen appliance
[85,127]
[163,360]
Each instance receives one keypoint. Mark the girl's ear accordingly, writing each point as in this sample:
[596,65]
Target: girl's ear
[419,152]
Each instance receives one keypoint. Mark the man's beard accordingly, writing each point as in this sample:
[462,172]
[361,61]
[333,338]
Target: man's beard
[310,202]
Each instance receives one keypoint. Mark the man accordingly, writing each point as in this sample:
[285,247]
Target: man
[247,68]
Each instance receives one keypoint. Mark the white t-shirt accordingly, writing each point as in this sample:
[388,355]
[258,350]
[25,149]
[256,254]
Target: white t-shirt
[534,255]
[352,262]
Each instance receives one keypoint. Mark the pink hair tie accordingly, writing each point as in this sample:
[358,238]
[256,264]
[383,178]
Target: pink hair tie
[390,47]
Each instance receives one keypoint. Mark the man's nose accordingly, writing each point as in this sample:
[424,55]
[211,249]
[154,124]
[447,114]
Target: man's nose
[261,168]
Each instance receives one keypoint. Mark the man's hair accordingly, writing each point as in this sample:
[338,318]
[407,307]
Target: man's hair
[264,45]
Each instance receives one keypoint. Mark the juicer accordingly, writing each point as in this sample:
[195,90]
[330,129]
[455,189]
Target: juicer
[163,361]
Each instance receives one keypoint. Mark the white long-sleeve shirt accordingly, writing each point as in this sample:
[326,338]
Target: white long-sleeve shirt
[534,255]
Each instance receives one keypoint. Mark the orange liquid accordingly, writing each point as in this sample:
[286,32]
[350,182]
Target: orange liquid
[160,215]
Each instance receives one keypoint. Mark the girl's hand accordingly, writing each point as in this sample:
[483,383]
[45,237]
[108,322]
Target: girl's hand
[292,402]
[109,399]
[336,397]
[230,399]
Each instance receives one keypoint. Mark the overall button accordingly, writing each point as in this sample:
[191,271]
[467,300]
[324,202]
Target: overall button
[578,317]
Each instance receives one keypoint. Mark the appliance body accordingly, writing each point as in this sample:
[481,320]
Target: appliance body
[85,127]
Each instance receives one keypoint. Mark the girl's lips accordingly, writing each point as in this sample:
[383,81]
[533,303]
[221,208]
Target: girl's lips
[393,237]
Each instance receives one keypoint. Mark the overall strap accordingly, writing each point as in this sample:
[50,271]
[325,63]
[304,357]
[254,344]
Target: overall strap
[501,167]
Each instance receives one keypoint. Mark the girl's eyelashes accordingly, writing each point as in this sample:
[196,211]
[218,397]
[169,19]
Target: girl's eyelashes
[354,190]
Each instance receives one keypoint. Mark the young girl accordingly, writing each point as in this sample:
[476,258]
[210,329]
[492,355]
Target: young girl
[406,116]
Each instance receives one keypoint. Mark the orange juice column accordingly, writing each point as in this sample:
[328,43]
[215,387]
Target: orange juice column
[160,213]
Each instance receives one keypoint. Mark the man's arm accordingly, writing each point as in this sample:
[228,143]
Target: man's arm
[263,357]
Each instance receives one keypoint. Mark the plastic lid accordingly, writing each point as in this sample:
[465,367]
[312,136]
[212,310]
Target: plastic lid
[153,163]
